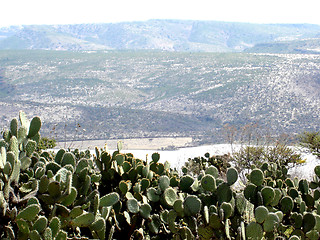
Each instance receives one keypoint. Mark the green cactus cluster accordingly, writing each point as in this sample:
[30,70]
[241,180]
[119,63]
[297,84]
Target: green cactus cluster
[197,164]
[74,195]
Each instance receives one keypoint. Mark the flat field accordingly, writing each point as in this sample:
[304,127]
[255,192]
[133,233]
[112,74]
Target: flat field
[164,143]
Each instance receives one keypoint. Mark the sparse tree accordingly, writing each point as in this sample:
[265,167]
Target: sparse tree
[311,141]
[46,143]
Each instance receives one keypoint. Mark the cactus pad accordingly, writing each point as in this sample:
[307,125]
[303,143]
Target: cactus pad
[250,192]
[227,209]
[208,183]
[145,183]
[317,170]
[22,134]
[40,224]
[267,195]
[232,176]
[14,127]
[24,119]
[212,170]
[185,183]
[59,156]
[294,237]
[303,186]
[145,210]
[33,200]
[254,231]
[271,222]
[297,219]
[214,221]
[7,169]
[99,226]
[14,146]
[277,197]
[155,157]
[154,224]
[170,196]
[256,177]
[164,182]
[308,222]
[109,199]
[54,189]
[124,187]
[71,197]
[286,204]
[23,226]
[280,215]
[62,235]
[68,158]
[55,226]
[29,213]
[119,145]
[192,205]
[133,205]
[120,159]
[35,126]
[152,195]
[84,220]
[178,206]
[241,203]
[261,213]
[34,235]
[224,193]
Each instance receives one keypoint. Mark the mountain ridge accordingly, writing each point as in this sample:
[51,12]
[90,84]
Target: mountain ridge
[166,35]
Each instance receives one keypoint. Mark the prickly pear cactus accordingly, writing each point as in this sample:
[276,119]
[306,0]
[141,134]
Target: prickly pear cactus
[73,195]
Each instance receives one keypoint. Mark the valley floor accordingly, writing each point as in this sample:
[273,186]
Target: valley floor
[160,143]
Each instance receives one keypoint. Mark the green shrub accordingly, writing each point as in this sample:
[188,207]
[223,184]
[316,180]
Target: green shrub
[310,140]
[46,143]
[280,155]
[195,165]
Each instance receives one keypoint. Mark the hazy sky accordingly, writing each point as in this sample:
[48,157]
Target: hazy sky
[19,12]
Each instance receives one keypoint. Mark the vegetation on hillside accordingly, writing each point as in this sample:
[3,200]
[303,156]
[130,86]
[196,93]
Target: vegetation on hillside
[73,195]
[303,46]
[154,94]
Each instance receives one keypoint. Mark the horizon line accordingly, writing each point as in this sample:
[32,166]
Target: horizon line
[157,19]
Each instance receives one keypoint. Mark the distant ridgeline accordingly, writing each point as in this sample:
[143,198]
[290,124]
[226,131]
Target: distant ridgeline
[169,35]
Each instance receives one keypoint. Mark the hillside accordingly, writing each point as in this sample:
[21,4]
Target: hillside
[169,35]
[305,46]
[114,94]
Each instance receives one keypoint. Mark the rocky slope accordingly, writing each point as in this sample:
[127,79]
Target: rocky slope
[151,93]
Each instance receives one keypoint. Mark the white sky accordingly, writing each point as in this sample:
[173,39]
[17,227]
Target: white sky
[20,12]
